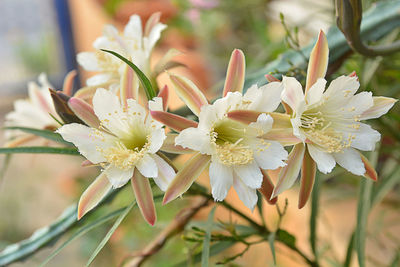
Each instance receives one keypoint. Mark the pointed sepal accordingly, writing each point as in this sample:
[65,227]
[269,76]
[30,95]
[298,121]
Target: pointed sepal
[267,187]
[68,85]
[235,73]
[308,171]
[164,94]
[169,146]
[144,197]
[370,172]
[84,111]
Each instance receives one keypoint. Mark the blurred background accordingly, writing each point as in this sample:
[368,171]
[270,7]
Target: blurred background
[44,36]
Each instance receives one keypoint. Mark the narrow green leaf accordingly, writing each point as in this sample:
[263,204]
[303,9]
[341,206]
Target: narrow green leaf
[207,238]
[314,214]
[110,232]
[39,150]
[396,260]
[148,88]
[4,167]
[364,202]
[271,241]
[83,230]
[50,135]
[349,252]
[384,186]
[285,237]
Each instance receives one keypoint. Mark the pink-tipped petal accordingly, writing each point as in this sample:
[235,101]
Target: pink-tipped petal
[284,136]
[87,163]
[69,82]
[185,177]
[244,116]
[271,78]
[289,173]
[370,172]
[86,93]
[173,121]
[318,62]
[308,171]
[380,107]
[144,197]
[169,145]
[93,195]
[84,111]
[166,63]
[151,22]
[189,93]
[234,80]
[267,187]
[164,94]
[129,85]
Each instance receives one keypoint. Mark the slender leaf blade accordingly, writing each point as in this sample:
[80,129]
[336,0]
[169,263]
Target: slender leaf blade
[148,88]
[314,214]
[39,150]
[50,135]
[271,241]
[205,255]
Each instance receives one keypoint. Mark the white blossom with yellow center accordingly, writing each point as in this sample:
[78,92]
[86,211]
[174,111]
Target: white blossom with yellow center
[35,111]
[128,138]
[132,44]
[237,150]
[329,121]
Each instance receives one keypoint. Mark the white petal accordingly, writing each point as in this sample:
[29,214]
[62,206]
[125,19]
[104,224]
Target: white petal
[157,138]
[292,93]
[365,138]
[154,35]
[264,123]
[118,177]
[135,109]
[325,161]
[316,91]
[350,159]
[271,156]
[360,103]
[88,140]
[98,79]
[250,174]
[165,173]
[196,139]
[381,106]
[147,166]
[207,117]
[228,103]
[266,98]
[156,104]
[342,87]
[221,179]
[134,28]
[88,61]
[108,109]
[246,194]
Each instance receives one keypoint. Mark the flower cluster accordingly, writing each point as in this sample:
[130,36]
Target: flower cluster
[238,138]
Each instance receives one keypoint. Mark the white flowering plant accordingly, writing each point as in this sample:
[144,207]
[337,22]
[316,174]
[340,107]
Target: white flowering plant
[257,138]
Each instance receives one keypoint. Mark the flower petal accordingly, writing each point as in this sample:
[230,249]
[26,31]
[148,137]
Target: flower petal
[118,177]
[234,80]
[93,195]
[350,159]
[87,140]
[263,124]
[173,121]
[165,173]
[88,61]
[129,85]
[342,88]
[250,174]
[170,147]
[196,139]
[147,166]
[365,138]
[68,84]
[144,197]
[308,171]
[133,29]
[246,194]
[185,177]
[84,111]
[266,98]
[221,179]
[270,155]
[267,187]
[292,93]
[189,93]
[325,161]
[157,137]
[314,94]
[318,62]
[289,173]
[381,105]
[164,94]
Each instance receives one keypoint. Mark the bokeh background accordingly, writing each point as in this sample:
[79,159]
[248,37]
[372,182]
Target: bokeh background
[44,35]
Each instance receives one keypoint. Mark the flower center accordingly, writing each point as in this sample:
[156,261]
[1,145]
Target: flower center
[321,132]
[228,137]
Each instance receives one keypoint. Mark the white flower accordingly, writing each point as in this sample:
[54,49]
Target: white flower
[35,111]
[237,150]
[329,121]
[127,140]
[133,44]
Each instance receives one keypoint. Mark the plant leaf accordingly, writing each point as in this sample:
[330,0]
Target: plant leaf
[271,241]
[314,215]
[110,232]
[50,135]
[40,150]
[148,88]
[207,239]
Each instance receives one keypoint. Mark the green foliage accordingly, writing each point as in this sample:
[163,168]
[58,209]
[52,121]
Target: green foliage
[39,150]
